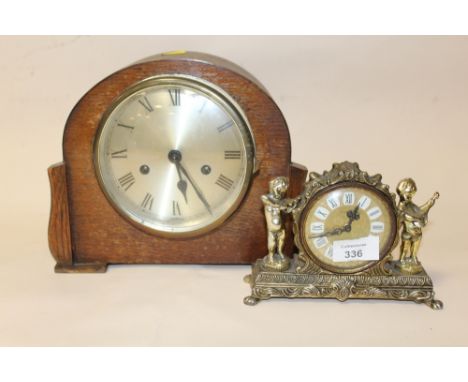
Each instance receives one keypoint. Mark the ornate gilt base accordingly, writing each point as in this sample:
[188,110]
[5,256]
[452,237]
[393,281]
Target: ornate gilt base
[394,286]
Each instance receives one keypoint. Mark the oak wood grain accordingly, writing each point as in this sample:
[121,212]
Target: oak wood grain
[59,222]
[297,179]
[100,235]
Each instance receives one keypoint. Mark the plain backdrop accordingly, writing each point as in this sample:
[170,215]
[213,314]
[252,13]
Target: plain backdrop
[396,105]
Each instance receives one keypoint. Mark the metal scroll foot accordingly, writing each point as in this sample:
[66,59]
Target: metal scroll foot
[251,300]
[426,298]
[435,304]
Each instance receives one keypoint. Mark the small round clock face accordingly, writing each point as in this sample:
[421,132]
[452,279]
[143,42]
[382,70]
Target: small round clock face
[347,212]
[174,155]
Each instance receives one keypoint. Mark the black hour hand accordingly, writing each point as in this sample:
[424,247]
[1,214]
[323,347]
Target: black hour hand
[181,184]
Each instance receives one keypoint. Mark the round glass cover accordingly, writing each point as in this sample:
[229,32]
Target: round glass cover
[175,155]
[347,212]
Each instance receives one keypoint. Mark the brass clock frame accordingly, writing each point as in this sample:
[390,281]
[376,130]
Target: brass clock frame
[305,277]
[316,190]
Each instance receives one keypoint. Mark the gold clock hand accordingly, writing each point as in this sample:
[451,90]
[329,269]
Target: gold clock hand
[333,232]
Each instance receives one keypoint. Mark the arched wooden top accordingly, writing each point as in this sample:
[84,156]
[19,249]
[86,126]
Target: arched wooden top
[101,235]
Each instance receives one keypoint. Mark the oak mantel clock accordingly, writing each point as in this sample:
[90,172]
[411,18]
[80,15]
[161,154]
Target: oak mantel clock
[165,162]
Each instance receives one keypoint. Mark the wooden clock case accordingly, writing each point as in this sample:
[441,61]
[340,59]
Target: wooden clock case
[86,233]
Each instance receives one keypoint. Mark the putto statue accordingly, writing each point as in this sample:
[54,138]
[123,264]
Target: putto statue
[275,204]
[413,218]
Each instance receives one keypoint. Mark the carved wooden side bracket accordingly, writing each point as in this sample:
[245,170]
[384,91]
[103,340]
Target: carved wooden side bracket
[60,241]
[59,224]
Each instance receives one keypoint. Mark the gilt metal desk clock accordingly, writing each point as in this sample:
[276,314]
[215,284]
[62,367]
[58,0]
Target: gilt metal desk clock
[346,224]
[165,162]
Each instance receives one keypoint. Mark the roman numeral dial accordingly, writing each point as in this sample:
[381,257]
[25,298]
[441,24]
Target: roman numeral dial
[147,202]
[144,101]
[175,96]
[176,208]
[119,154]
[224,182]
[175,156]
[346,213]
[225,126]
[126,181]
[232,154]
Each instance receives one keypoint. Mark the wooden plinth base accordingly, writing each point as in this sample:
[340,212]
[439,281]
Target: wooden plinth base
[81,268]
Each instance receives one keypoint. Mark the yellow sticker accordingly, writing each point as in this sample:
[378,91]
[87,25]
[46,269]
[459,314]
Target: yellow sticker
[174,53]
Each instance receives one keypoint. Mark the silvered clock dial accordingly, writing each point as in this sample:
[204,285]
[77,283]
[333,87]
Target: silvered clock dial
[174,155]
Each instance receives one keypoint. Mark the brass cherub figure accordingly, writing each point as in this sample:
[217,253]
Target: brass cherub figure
[274,204]
[413,218]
